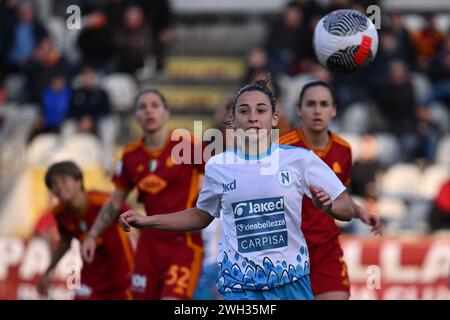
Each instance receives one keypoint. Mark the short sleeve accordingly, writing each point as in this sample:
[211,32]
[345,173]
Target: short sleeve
[318,174]
[210,196]
[121,177]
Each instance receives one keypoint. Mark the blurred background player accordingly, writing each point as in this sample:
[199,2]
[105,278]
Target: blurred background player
[316,107]
[108,276]
[168,264]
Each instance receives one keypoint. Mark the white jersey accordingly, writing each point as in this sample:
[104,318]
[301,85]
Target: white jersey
[262,246]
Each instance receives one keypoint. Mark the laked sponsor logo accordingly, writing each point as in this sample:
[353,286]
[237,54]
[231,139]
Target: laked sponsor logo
[229,186]
[257,207]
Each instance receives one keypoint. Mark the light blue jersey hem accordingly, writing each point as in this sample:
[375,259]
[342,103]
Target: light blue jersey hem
[296,290]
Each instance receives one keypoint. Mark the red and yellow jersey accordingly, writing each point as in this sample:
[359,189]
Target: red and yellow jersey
[163,186]
[113,260]
[317,226]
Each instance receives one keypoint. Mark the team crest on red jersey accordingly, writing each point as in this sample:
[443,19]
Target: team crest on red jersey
[152,184]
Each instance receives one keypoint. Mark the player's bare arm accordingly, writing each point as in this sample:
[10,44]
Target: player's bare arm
[192,219]
[107,215]
[341,208]
[368,218]
[61,249]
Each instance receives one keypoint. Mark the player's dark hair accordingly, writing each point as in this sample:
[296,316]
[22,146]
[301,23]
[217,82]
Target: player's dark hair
[293,4]
[63,168]
[316,83]
[151,90]
[258,85]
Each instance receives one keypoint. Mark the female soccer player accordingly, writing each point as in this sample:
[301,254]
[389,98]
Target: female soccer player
[168,264]
[108,276]
[262,254]
[316,108]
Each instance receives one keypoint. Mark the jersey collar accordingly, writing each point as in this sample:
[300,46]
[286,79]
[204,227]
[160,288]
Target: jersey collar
[246,156]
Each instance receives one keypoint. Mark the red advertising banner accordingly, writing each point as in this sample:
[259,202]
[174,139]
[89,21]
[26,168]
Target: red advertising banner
[23,262]
[398,268]
[379,268]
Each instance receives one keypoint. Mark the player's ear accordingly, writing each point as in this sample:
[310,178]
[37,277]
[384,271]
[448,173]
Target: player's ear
[275,118]
[334,110]
[79,184]
[232,121]
[299,109]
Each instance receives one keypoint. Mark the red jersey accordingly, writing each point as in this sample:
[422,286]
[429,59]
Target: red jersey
[113,259]
[163,186]
[443,198]
[317,226]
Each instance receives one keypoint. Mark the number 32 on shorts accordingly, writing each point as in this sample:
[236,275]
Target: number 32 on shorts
[178,276]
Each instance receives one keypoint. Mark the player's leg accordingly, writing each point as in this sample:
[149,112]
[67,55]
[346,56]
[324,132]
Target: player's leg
[183,272]
[144,279]
[119,294]
[333,295]
[329,277]
[85,292]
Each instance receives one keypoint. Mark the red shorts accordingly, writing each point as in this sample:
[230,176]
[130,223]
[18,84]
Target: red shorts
[166,269]
[328,269]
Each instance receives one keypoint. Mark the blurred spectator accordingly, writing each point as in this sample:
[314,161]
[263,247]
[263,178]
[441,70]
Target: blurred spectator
[256,60]
[258,69]
[439,216]
[396,102]
[440,64]
[390,49]
[46,61]
[365,169]
[7,16]
[159,17]
[402,36]
[311,10]
[132,41]
[94,40]
[89,103]
[426,43]
[287,40]
[22,37]
[55,104]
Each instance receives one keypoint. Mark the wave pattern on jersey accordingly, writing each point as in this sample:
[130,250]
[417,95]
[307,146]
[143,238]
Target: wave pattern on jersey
[343,60]
[238,276]
[345,23]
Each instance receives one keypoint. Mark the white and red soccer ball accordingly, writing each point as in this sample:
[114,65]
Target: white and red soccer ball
[345,41]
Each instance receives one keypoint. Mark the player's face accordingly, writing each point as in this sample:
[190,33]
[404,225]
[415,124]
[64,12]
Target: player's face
[151,113]
[254,112]
[317,109]
[65,188]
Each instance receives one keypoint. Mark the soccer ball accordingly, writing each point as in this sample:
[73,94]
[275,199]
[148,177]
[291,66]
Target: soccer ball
[345,41]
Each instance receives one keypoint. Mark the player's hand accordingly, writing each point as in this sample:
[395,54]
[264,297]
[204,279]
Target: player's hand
[44,284]
[88,248]
[321,199]
[370,219]
[130,219]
